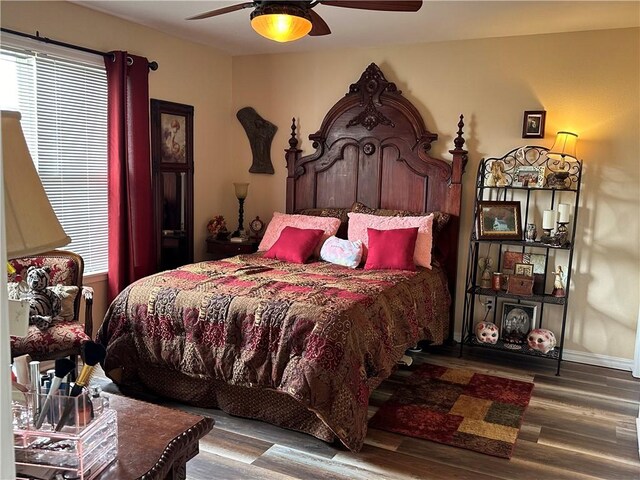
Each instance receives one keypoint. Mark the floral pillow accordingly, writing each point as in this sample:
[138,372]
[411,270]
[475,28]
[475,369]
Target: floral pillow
[360,222]
[440,219]
[279,221]
[342,252]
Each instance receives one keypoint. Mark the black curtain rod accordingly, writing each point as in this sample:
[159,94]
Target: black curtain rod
[152,65]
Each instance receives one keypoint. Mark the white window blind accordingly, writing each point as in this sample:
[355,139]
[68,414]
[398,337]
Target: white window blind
[63,102]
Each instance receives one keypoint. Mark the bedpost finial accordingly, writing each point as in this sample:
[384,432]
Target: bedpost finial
[293,141]
[459,141]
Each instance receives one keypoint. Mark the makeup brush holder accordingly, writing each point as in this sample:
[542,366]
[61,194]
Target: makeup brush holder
[83,447]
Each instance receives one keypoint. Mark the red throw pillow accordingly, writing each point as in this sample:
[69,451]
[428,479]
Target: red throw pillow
[295,244]
[391,249]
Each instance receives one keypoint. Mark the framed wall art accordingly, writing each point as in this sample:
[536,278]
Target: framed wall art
[172,132]
[533,124]
[499,221]
[517,321]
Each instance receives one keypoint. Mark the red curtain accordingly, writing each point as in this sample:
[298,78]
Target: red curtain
[131,241]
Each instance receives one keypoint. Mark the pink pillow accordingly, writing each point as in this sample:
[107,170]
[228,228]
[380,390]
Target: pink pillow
[279,221]
[360,222]
[294,244]
[391,249]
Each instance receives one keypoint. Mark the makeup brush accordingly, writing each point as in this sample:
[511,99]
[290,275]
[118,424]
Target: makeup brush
[92,354]
[63,367]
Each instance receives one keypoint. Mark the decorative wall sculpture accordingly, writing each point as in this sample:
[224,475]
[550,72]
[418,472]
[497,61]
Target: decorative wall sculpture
[260,133]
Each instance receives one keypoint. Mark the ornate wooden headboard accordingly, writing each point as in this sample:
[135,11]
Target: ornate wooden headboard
[373,147]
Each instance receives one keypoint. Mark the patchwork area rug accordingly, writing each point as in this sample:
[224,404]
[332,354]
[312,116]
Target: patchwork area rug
[457,407]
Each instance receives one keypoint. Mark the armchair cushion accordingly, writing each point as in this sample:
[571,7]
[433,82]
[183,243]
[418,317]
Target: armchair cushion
[59,337]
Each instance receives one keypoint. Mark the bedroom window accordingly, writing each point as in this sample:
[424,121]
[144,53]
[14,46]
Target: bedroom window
[62,96]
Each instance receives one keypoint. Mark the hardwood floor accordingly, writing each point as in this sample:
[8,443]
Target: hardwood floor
[580,425]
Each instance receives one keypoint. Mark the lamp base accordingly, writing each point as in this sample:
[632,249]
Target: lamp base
[239,234]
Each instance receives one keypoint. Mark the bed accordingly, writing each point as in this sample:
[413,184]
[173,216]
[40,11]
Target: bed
[303,345]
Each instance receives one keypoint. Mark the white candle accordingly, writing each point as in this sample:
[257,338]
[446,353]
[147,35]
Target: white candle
[563,213]
[548,219]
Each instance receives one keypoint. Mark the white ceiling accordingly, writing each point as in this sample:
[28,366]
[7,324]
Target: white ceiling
[435,21]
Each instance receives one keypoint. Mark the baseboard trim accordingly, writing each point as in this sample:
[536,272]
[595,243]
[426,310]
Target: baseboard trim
[598,360]
[595,359]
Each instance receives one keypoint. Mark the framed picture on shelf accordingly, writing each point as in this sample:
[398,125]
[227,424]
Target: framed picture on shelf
[517,321]
[524,269]
[529,176]
[533,124]
[499,221]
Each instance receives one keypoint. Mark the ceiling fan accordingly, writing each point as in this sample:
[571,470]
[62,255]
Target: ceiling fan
[285,21]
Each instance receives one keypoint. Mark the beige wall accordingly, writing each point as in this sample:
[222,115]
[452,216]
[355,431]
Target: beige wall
[587,82]
[189,73]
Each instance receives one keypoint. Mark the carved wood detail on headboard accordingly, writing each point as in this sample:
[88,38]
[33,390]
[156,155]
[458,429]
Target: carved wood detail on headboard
[373,147]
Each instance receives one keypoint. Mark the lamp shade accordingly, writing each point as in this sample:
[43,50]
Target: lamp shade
[242,189]
[281,22]
[31,224]
[564,146]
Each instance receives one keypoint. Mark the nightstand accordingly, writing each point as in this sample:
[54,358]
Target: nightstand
[219,249]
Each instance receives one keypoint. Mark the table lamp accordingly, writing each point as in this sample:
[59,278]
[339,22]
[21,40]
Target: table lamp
[241,193]
[564,146]
[30,222]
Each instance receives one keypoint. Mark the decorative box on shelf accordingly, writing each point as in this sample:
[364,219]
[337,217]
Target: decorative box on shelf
[84,446]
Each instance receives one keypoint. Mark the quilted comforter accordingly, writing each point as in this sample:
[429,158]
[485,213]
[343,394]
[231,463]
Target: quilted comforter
[323,334]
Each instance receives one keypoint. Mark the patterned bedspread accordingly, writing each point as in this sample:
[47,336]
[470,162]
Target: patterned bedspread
[323,334]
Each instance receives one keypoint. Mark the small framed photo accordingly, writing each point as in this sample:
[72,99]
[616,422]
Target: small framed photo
[499,221]
[529,176]
[524,269]
[517,321]
[533,124]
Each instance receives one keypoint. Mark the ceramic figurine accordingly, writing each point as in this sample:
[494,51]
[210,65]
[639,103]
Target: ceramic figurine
[485,264]
[496,177]
[558,283]
[541,339]
[487,332]
[531,232]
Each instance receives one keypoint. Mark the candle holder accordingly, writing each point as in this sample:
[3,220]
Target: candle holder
[546,237]
[562,235]
[241,193]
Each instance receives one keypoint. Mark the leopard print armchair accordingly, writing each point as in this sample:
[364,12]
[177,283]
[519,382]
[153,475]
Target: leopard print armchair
[66,335]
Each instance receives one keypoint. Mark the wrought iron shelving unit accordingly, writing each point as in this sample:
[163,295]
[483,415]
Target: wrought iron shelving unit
[533,199]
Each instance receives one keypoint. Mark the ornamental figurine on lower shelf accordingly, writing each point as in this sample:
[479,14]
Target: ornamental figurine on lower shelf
[542,340]
[558,283]
[487,332]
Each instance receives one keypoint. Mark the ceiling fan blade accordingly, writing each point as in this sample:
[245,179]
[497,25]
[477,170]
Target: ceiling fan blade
[220,11]
[387,6]
[319,26]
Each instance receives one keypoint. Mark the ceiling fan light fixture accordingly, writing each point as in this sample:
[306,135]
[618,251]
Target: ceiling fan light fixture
[281,23]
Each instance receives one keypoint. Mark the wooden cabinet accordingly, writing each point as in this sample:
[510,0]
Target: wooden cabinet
[172,141]
[219,249]
[524,177]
